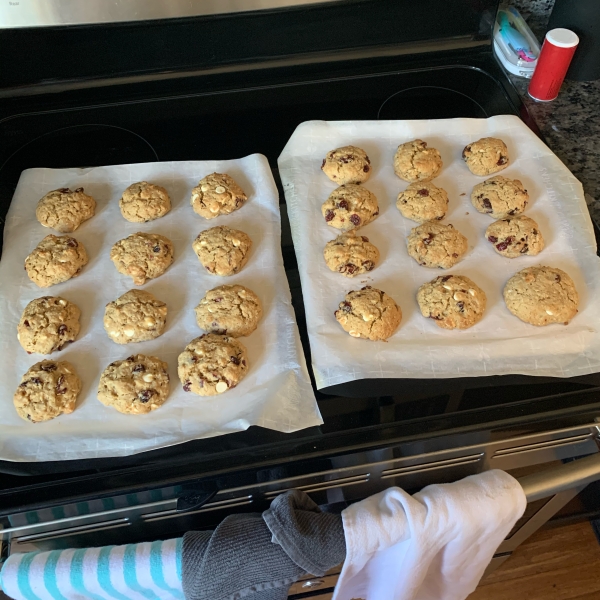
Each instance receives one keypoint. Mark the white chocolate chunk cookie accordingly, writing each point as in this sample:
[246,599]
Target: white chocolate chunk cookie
[500,197]
[351,254]
[142,202]
[486,156]
[348,164]
[134,386]
[349,207]
[515,236]
[212,364]
[435,245]
[48,389]
[222,250]
[142,256]
[414,161]
[229,309]
[541,296]
[48,324]
[55,259]
[423,201]
[65,210]
[452,301]
[136,316]
[217,194]
[369,313]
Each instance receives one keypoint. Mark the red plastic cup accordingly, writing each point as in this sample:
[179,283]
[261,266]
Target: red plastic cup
[555,58]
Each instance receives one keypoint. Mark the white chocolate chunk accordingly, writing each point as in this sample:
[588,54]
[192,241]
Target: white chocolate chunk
[221,387]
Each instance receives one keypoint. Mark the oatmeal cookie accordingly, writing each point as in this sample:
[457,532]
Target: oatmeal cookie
[435,245]
[515,236]
[349,207]
[222,250]
[348,164]
[142,202]
[423,201]
[486,156]
[217,194]
[351,254]
[65,210]
[500,197]
[414,161]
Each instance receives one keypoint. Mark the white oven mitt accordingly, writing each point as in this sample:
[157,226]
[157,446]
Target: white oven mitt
[434,545]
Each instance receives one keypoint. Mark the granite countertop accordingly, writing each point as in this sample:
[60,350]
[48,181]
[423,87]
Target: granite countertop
[571,127]
[571,123]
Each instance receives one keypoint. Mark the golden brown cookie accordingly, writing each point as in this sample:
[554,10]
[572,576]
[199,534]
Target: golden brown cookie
[423,201]
[414,161]
[515,236]
[222,250]
[142,256]
[369,313]
[452,301]
[348,164]
[500,197]
[212,364]
[136,316]
[134,386]
[142,202]
[65,210]
[351,254]
[349,207]
[217,194]
[229,309]
[48,324]
[435,245]
[48,389]
[541,296]
[55,259]
[486,156]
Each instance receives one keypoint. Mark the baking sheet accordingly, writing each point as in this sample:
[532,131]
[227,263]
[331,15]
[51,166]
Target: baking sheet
[275,394]
[500,343]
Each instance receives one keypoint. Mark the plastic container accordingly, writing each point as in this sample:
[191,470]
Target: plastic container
[553,63]
[514,43]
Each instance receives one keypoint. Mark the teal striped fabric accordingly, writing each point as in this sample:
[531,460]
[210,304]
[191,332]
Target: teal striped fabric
[146,571]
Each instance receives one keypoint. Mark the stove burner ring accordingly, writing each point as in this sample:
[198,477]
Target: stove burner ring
[449,92]
[83,125]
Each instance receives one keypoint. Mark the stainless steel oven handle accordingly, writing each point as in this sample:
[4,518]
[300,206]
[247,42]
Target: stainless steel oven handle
[563,477]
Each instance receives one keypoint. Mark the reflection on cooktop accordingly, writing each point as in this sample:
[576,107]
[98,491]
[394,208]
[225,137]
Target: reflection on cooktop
[415,103]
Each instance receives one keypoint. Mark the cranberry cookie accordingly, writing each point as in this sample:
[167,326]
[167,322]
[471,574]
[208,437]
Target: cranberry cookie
[423,201]
[348,164]
[500,197]
[435,245]
[414,161]
[515,236]
[142,202]
[65,210]
[351,254]
[486,156]
[349,207]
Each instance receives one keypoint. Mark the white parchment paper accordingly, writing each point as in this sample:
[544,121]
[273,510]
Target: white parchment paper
[500,343]
[275,394]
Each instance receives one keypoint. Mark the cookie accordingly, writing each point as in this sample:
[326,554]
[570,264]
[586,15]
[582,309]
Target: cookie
[433,244]
[414,161]
[55,259]
[142,202]
[486,156]
[515,236]
[423,201]
[369,313]
[351,254]
[348,164]
[48,324]
[134,386]
[452,301]
[541,296]
[142,256]
[65,210]
[349,207]
[500,197]
[48,389]
[136,316]
[221,250]
[212,364]
[229,309]
[217,194]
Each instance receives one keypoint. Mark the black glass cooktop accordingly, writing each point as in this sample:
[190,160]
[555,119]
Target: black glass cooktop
[233,119]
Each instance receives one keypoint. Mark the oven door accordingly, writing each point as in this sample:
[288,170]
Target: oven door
[537,460]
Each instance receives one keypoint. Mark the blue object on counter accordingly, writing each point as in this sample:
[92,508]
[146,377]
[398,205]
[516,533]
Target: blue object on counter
[514,39]
[514,44]
[149,570]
